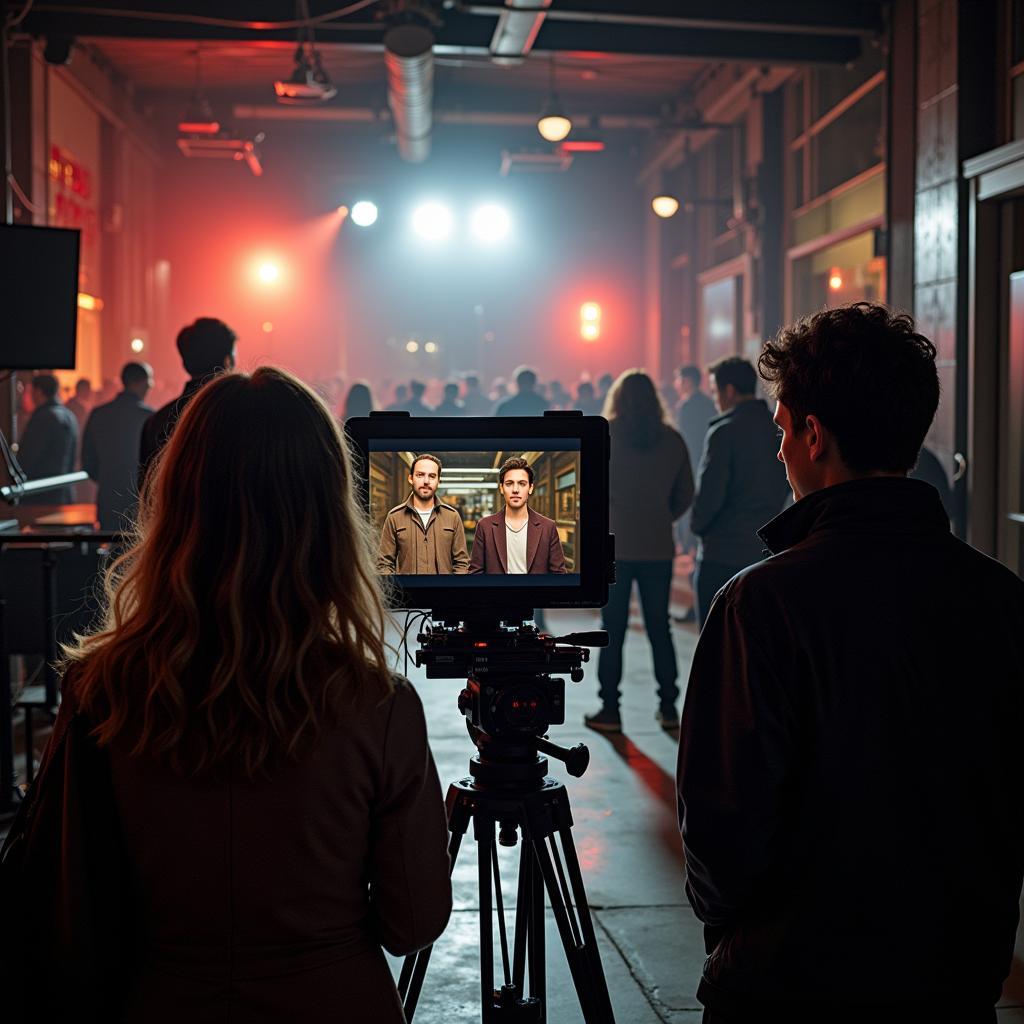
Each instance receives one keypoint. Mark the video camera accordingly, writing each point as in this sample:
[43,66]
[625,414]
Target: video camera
[449,512]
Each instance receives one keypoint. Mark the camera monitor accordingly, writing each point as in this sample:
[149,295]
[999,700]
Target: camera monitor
[484,513]
[39,297]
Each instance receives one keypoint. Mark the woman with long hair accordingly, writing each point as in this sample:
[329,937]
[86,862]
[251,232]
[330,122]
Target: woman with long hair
[279,805]
[651,486]
[358,401]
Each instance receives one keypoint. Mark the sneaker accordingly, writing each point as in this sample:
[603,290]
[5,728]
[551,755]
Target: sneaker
[605,720]
[667,718]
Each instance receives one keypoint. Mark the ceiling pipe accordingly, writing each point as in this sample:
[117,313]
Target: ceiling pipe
[409,59]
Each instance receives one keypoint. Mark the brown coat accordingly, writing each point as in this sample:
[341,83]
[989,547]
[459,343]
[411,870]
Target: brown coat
[543,548]
[270,900]
[406,547]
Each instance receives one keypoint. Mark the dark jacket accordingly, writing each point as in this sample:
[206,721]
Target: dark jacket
[110,455]
[524,403]
[849,774]
[48,448]
[693,416]
[740,485]
[271,899]
[649,488]
[543,548]
[157,430]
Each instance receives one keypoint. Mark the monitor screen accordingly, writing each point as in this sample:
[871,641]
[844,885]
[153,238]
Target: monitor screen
[470,514]
[505,514]
[39,297]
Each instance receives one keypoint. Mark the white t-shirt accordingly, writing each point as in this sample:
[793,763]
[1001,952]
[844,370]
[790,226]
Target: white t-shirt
[515,545]
[425,516]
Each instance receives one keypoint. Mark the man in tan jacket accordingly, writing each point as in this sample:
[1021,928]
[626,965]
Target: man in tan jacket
[423,536]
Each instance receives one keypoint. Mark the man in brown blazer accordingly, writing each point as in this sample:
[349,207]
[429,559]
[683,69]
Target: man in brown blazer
[423,536]
[517,539]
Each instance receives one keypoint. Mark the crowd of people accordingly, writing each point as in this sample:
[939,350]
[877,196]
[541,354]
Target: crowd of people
[843,779]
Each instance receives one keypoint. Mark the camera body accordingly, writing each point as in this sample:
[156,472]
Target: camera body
[510,691]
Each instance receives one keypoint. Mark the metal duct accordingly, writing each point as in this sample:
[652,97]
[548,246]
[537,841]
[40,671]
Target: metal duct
[409,58]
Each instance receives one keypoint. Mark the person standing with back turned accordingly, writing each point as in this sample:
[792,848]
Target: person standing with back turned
[740,484]
[206,347]
[850,783]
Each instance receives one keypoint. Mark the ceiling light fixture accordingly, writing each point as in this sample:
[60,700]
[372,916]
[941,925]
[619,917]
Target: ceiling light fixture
[553,124]
[665,206]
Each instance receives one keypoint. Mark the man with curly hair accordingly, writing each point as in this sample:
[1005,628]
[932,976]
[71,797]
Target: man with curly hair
[849,783]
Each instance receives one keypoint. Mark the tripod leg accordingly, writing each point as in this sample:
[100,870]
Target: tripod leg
[602,1000]
[593,998]
[538,978]
[414,967]
[484,830]
[523,897]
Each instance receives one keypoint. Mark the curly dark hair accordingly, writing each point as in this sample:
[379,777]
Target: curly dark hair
[866,373]
[514,462]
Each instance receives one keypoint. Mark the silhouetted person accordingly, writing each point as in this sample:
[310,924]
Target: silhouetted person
[206,347]
[694,411]
[475,402]
[651,485]
[358,401]
[586,400]
[110,448]
[604,385]
[931,471]
[526,401]
[558,396]
[401,402]
[850,778]
[82,402]
[450,405]
[50,441]
[416,405]
[740,483]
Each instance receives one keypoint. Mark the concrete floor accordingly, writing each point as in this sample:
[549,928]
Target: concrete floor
[625,830]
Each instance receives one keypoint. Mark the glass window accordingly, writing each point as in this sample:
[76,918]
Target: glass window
[851,144]
[848,271]
[831,85]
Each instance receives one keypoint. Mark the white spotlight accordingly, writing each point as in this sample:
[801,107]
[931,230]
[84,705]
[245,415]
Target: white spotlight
[364,213]
[432,221]
[491,223]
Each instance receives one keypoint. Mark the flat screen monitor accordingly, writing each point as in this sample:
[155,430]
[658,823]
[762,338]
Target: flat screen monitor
[482,512]
[38,297]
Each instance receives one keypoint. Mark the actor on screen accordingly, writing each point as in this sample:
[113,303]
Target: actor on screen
[517,540]
[423,535]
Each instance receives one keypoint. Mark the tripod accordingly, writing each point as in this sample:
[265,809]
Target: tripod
[508,789]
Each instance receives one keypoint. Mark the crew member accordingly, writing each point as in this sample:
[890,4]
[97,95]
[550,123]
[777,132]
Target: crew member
[517,539]
[423,535]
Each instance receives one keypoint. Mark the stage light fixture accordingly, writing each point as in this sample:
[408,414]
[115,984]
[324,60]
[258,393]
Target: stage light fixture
[835,280]
[432,222]
[590,321]
[268,272]
[364,213]
[665,206]
[137,344]
[412,346]
[430,347]
[491,223]
[267,326]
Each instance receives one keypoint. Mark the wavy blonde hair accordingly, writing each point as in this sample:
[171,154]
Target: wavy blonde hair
[246,613]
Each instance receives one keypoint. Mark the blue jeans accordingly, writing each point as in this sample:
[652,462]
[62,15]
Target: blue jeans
[654,579]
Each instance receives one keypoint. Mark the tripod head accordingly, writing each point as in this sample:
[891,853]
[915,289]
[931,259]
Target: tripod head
[511,698]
